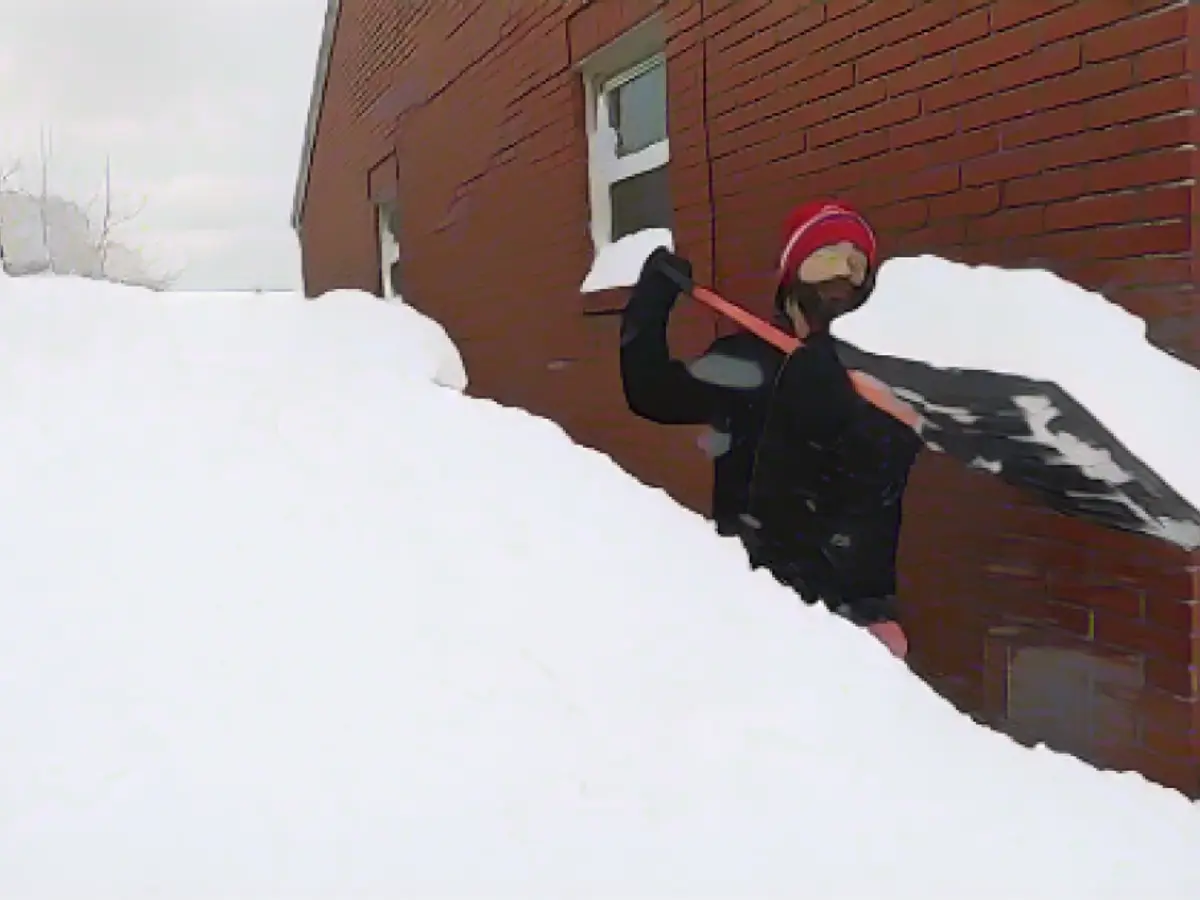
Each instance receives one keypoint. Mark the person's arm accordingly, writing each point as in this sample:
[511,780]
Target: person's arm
[658,387]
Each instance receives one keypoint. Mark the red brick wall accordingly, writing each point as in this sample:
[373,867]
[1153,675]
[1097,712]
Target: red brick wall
[1044,133]
[486,114]
[1002,132]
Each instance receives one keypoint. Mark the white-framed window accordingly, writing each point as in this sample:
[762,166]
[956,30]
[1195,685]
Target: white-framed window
[628,145]
[389,250]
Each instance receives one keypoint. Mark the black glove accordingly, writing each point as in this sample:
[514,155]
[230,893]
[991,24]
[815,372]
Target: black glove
[656,280]
[653,297]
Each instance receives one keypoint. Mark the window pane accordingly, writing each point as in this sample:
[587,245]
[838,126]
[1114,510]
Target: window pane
[643,201]
[638,111]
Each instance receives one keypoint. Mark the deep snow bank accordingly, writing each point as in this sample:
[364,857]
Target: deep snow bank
[1034,324]
[73,320]
[280,618]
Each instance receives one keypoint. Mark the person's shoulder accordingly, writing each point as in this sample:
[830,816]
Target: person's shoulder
[744,345]
[740,361]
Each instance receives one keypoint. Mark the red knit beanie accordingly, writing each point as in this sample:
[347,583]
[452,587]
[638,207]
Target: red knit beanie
[822,223]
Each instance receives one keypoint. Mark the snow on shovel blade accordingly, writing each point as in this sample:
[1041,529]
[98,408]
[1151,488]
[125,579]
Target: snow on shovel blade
[1051,386]
[617,265]
[1034,435]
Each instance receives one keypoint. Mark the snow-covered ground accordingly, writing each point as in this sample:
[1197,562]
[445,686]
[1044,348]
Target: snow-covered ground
[285,614]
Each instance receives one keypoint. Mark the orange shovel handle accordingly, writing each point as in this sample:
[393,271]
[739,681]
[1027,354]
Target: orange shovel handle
[776,337]
[869,388]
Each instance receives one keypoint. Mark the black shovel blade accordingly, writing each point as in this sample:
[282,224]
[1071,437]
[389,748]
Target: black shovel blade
[1035,436]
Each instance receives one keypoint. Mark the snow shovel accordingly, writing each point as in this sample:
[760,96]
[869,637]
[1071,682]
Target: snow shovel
[1031,433]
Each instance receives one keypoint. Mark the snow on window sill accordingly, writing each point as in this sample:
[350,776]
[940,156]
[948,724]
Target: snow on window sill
[617,265]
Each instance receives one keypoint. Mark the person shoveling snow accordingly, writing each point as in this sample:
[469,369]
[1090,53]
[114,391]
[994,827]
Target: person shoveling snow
[1015,380]
[807,474]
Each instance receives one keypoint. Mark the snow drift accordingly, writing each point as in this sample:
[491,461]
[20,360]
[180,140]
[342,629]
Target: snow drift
[72,321]
[283,617]
[1052,387]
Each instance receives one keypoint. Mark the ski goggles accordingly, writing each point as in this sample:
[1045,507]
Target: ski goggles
[842,260]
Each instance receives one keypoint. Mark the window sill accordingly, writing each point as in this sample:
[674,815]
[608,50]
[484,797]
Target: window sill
[609,302]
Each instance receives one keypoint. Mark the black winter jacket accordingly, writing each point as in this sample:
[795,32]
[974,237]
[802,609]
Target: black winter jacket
[806,473]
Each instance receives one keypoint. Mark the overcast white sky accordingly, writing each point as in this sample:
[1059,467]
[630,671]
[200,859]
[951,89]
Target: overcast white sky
[199,103]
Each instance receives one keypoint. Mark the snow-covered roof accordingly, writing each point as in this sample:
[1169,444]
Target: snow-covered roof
[332,8]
